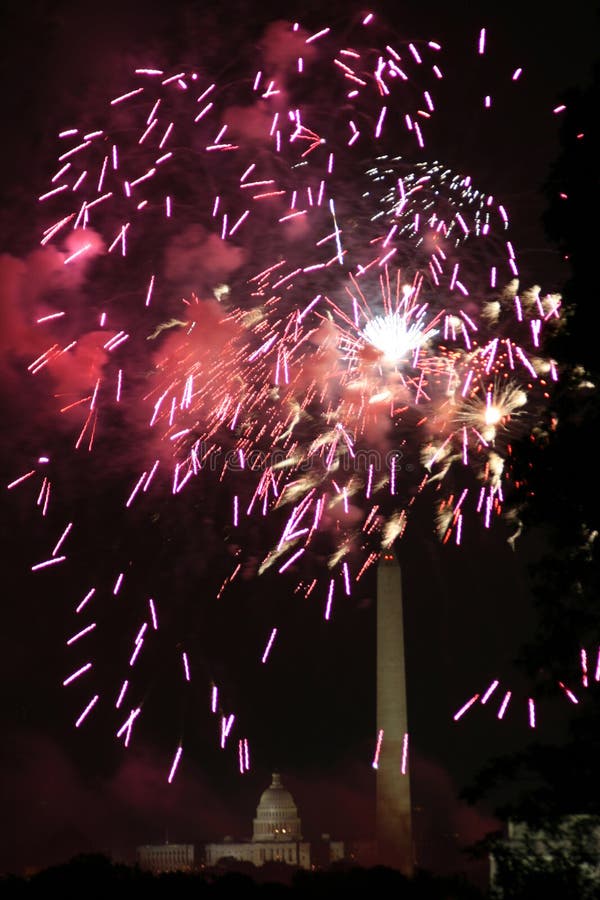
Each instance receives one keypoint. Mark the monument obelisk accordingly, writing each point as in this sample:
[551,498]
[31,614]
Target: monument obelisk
[393,808]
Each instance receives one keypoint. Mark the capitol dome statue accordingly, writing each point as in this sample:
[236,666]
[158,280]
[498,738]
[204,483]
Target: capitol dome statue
[276,815]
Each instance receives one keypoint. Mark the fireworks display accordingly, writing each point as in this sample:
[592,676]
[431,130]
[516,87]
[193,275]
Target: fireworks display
[500,698]
[278,305]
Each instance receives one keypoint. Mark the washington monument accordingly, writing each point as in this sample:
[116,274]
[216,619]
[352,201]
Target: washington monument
[393,808]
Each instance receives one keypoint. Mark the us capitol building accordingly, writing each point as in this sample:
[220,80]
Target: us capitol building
[276,837]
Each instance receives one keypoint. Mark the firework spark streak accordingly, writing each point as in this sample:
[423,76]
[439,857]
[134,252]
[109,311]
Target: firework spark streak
[460,713]
[342,345]
[375,763]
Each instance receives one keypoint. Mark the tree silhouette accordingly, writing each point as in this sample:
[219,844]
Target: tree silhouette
[548,787]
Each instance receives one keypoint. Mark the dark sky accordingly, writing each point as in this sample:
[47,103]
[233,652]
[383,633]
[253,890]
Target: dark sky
[309,712]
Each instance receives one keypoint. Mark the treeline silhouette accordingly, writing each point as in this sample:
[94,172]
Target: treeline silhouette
[97,876]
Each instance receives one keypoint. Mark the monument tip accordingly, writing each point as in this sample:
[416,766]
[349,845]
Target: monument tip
[387,557]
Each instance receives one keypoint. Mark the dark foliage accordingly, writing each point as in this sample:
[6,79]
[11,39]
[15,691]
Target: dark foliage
[551,787]
[95,876]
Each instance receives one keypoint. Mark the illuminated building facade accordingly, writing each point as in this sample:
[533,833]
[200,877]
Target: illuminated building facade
[166,857]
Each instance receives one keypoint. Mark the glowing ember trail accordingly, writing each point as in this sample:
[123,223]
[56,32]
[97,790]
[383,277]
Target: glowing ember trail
[375,763]
[465,707]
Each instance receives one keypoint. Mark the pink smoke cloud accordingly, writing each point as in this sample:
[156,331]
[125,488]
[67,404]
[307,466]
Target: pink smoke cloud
[197,259]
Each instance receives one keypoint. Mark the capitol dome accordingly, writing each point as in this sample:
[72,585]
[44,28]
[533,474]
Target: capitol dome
[276,815]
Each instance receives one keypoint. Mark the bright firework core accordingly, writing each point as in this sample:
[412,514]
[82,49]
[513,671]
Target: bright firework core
[492,415]
[394,338]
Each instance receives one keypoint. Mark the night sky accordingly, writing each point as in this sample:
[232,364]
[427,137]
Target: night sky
[309,713]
